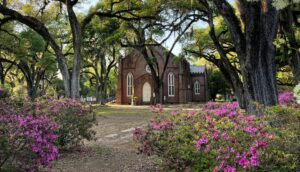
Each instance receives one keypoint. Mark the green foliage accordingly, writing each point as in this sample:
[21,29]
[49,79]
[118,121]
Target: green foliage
[3,93]
[281,4]
[283,153]
[217,83]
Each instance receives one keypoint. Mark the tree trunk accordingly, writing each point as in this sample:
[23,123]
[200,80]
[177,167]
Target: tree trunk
[236,84]
[2,75]
[97,90]
[31,90]
[62,65]
[228,70]
[259,71]
[157,92]
[77,36]
[103,92]
[255,49]
[296,63]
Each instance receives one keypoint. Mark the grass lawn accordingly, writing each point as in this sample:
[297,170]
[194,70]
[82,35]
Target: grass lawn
[122,112]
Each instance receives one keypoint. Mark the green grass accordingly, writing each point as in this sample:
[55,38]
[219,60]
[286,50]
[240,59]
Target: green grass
[111,111]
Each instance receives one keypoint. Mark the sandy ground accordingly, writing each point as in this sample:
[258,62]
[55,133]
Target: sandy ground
[114,149]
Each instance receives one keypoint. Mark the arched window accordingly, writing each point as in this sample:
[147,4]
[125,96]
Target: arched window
[197,88]
[129,84]
[171,85]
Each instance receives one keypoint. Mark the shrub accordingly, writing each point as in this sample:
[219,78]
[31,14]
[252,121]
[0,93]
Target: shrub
[26,141]
[286,98]
[75,120]
[283,153]
[219,138]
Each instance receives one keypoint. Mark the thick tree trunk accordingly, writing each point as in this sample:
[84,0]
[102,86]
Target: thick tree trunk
[76,33]
[255,49]
[259,71]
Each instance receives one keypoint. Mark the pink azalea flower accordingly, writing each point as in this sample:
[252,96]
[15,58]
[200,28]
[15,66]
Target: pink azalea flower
[174,113]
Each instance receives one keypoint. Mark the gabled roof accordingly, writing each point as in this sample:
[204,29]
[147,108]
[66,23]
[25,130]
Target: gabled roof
[197,69]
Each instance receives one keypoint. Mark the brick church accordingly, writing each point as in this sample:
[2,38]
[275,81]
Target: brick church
[182,82]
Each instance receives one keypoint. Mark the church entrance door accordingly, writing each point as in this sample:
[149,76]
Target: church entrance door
[146,92]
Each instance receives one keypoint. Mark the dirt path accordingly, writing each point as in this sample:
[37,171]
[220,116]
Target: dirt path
[113,150]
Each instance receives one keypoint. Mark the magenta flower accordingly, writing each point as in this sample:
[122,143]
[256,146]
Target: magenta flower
[201,142]
[174,113]
[215,135]
[229,169]
[221,112]
[254,161]
[251,130]
[137,133]
[244,162]
[286,98]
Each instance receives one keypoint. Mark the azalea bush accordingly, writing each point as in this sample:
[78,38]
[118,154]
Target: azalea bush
[286,98]
[219,138]
[27,141]
[74,118]
[33,133]
[283,153]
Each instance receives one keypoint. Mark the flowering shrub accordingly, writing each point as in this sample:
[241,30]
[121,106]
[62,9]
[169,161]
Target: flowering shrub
[31,134]
[286,98]
[283,152]
[219,138]
[26,141]
[75,120]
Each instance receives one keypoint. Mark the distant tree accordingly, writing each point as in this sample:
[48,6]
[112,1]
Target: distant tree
[215,45]
[42,15]
[217,83]
[102,48]
[289,31]
[31,58]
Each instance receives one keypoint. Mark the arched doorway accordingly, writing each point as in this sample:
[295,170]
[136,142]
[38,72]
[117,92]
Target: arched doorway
[146,92]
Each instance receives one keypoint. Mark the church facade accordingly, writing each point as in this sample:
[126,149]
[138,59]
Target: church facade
[182,82]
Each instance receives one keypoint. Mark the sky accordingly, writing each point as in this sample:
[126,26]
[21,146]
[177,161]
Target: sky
[177,49]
